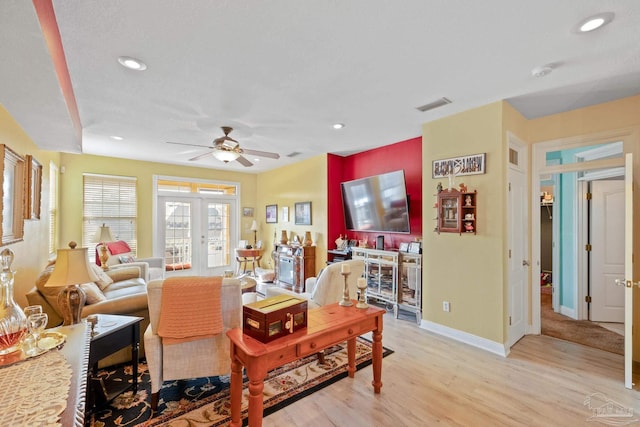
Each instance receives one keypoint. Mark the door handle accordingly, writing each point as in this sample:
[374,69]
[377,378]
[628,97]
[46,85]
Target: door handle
[525,263]
[627,283]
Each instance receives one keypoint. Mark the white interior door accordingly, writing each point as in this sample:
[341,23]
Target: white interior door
[518,241]
[628,271]
[606,263]
[195,234]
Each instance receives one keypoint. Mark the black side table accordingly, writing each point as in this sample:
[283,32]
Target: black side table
[112,333]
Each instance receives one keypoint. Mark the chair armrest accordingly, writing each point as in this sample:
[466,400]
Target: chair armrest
[154,262]
[310,284]
[143,266]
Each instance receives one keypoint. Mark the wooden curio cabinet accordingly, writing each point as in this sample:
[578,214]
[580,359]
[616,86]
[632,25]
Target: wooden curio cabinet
[456,212]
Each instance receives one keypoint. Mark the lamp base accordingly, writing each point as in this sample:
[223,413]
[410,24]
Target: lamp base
[71,299]
[104,257]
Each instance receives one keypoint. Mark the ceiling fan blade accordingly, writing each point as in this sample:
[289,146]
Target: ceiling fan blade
[190,145]
[243,161]
[200,156]
[261,153]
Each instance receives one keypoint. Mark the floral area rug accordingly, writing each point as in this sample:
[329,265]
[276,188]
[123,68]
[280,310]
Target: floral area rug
[205,401]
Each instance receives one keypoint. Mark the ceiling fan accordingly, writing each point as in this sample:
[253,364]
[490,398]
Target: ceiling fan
[227,149]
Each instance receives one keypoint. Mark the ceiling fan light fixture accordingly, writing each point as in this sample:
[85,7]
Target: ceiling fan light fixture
[225,155]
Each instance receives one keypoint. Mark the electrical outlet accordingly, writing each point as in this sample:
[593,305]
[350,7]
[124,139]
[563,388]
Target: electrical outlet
[445,306]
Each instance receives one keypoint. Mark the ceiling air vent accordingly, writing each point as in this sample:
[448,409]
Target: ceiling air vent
[295,153]
[435,104]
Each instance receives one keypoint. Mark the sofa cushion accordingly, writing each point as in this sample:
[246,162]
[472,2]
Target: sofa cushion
[124,273]
[93,293]
[103,278]
[50,294]
[125,287]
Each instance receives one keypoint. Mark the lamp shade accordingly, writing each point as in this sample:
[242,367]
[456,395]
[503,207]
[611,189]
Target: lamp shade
[225,155]
[254,226]
[72,268]
[103,234]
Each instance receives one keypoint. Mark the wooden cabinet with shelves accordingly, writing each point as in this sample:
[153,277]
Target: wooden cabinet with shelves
[456,212]
[394,278]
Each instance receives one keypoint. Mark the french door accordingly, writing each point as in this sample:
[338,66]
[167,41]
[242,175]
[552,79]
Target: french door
[196,234]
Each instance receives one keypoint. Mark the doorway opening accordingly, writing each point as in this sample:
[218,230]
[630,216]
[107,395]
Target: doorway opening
[197,225]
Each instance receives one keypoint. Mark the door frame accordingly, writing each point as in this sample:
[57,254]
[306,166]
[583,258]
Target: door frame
[237,220]
[515,143]
[629,136]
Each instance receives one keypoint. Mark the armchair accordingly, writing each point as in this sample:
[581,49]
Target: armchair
[120,253]
[193,359]
[328,287]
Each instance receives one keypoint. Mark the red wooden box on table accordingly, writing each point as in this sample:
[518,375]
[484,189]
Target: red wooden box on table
[274,317]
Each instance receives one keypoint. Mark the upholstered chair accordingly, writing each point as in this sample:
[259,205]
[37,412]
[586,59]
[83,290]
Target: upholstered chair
[120,253]
[193,359]
[328,287]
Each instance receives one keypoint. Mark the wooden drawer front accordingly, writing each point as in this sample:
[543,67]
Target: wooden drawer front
[279,358]
[316,344]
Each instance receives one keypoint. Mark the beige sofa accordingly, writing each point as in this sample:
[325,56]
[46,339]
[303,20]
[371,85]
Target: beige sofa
[122,256]
[127,294]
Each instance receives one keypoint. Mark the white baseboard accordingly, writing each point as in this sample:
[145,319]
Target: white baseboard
[466,338]
[569,312]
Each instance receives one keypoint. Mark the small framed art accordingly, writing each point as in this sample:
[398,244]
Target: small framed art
[415,248]
[247,211]
[303,213]
[404,247]
[285,214]
[272,214]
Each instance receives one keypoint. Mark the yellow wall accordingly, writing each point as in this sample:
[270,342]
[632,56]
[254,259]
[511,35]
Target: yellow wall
[467,270]
[71,194]
[300,182]
[32,253]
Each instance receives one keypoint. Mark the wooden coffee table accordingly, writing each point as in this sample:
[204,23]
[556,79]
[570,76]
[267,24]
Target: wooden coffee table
[326,326]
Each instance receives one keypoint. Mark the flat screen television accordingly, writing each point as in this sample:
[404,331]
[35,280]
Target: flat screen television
[376,203]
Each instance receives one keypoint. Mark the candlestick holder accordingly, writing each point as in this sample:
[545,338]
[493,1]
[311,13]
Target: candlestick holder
[346,301]
[362,298]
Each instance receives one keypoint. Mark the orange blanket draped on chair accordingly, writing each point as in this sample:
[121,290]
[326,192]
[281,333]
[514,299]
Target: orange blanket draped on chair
[191,309]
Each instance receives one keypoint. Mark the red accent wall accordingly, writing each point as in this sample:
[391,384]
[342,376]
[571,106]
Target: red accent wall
[406,156]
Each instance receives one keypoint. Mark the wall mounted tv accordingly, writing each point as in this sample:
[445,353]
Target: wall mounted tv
[376,203]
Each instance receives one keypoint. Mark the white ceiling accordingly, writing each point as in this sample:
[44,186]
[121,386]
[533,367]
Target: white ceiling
[282,72]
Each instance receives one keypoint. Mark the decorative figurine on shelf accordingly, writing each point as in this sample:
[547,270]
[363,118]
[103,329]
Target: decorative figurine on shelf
[469,216]
[463,188]
[468,227]
[439,187]
[467,201]
[339,242]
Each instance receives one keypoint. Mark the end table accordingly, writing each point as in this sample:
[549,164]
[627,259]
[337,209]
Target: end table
[112,333]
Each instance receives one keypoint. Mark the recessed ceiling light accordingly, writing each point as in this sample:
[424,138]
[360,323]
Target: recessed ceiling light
[117,138]
[594,22]
[338,125]
[132,63]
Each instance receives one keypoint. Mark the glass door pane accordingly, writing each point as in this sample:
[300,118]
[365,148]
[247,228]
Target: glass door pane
[178,235]
[218,235]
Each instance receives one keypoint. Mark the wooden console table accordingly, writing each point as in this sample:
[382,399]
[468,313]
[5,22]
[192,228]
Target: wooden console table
[326,326]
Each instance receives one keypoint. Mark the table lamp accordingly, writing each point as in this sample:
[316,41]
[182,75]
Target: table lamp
[254,228]
[72,268]
[102,236]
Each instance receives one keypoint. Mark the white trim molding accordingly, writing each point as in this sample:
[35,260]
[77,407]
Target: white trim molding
[466,338]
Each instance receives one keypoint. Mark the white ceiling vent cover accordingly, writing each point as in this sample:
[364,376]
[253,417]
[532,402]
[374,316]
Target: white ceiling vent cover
[435,104]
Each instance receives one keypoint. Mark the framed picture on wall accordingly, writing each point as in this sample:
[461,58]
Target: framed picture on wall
[285,214]
[303,213]
[247,211]
[33,188]
[12,202]
[272,214]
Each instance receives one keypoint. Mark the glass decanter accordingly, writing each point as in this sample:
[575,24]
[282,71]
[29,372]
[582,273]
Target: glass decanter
[13,322]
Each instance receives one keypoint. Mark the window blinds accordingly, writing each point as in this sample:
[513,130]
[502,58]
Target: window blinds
[111,200]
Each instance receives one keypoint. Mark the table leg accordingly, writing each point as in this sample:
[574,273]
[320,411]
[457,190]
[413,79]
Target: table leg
[377,358]
[236,392]
[135,348]
[351,357]
[256,388]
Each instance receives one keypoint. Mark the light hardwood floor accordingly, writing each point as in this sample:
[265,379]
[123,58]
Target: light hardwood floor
[431,380]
